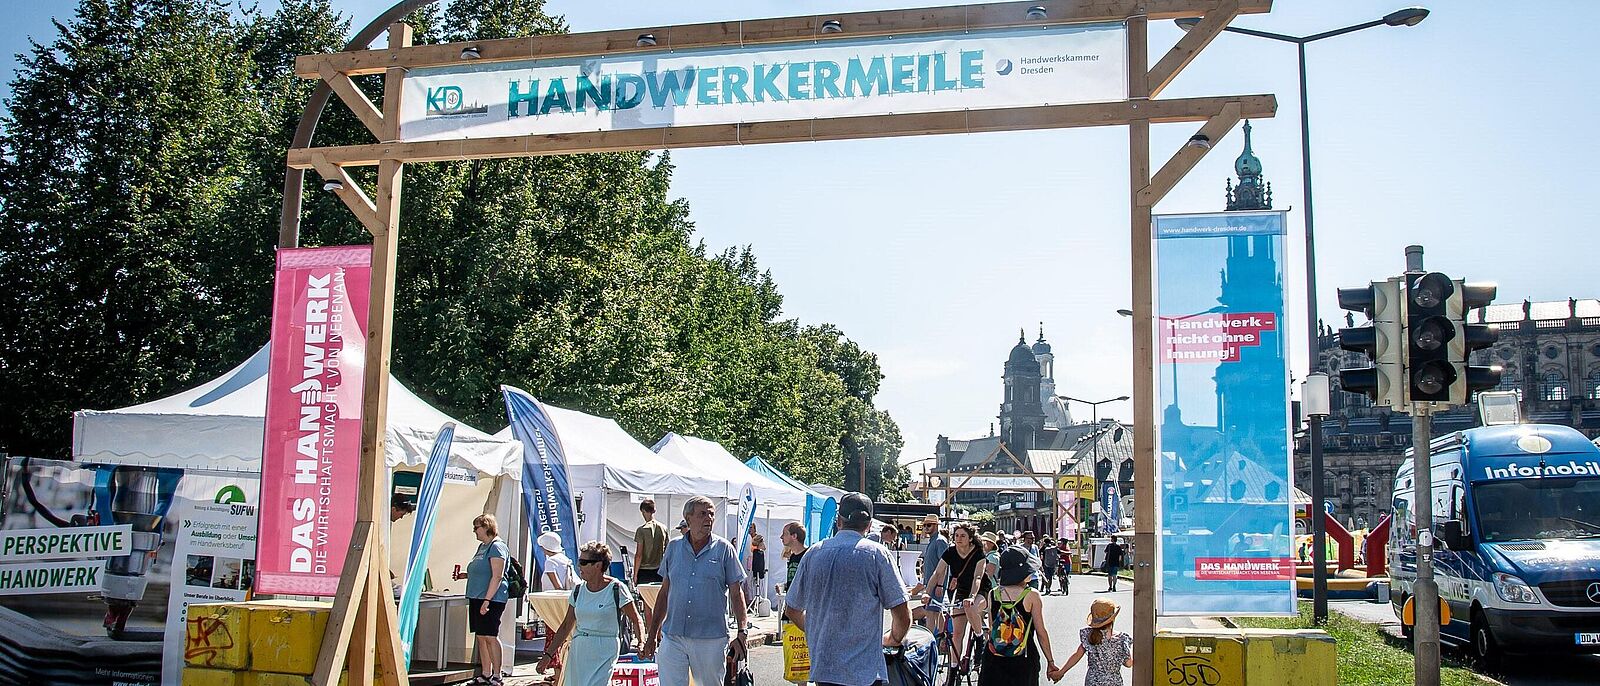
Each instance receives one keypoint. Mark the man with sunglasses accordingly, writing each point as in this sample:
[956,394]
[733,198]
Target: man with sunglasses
[931,554]
[701,580]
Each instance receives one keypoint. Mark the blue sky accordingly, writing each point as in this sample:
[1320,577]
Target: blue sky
[1467,134]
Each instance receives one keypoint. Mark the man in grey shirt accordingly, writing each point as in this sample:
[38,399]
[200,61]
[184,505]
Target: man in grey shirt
[838,597]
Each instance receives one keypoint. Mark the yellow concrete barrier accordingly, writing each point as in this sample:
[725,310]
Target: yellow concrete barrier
[1200,657]
[206,676]
[216,635]
[1240,657]
[285,635]
[1302,657]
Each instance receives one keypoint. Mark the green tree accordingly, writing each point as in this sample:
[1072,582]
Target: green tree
[140,186]
[130,175]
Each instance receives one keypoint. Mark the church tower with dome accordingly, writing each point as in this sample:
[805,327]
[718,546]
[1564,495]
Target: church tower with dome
[1022,414]
[1252,193]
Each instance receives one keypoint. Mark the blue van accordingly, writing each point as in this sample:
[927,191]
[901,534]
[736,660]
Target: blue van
[1516,521]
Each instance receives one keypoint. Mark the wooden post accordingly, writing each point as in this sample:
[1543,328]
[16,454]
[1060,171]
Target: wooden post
[1144,454]
[370,639]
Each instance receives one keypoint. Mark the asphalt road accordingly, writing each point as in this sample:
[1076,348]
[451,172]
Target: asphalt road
[1064,615]
[1518,670]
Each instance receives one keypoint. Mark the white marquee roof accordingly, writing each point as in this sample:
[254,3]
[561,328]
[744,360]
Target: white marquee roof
[219,426]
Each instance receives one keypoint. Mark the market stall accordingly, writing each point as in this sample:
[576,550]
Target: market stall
[819,509]
[777,504]
[214,433]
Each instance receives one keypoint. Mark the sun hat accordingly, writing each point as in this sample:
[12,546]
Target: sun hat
[990,537]
[1016,566]
[931,519]
[1102,613]
[550,541]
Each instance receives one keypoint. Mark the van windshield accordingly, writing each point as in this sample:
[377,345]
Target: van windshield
[1522,509]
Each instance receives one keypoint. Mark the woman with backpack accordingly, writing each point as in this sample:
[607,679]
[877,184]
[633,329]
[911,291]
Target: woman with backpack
[487,592]
[596,612]
[1016,615]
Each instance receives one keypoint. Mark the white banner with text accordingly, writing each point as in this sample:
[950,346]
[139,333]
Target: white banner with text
[978,70]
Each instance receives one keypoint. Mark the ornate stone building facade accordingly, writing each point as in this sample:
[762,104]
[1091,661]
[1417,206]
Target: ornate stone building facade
[1550,353]
[1036,426]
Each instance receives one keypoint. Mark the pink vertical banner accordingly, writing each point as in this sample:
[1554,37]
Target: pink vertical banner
[311,459]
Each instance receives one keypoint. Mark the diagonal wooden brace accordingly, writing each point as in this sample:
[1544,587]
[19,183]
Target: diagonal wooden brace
[357,101]
[352,195]
[1189,155]
[1196,39]
[343,621]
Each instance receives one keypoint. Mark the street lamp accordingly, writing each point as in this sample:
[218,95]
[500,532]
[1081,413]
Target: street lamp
[1410,16]
[1094,410]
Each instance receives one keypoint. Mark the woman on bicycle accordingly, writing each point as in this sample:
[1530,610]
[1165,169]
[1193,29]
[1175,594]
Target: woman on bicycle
[957,571]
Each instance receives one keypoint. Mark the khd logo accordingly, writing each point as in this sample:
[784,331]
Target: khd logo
[449,100]
[1002,67]
[444,100]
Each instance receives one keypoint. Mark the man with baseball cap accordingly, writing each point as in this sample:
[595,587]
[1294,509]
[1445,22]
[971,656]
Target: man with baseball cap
[838,597]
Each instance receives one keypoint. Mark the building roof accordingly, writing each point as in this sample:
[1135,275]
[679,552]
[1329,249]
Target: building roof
[1049,461]
[978,450]
[1536,310]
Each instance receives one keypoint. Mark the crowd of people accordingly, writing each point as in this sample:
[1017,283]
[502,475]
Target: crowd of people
[988,585]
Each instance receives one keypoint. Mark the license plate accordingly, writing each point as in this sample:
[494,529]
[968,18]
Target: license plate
[1587,639]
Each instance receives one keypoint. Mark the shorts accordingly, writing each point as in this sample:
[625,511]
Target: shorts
[649,576]
[488,623]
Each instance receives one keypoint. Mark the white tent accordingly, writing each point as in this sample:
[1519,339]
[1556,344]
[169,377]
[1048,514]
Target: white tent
[710,457]
[219,426]
[610,473]
[777,504]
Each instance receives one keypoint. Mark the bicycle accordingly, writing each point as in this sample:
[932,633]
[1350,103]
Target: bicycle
[963,672]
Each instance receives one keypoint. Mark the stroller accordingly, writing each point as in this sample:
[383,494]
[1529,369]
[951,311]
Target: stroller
[915,662]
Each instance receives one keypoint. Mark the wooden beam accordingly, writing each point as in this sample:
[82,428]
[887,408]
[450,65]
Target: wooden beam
[881,126]
[391,658]
[342,622]
[762,31]
[363,658]
[1215,130]
[1144,457]
[363,625]
[357,101]
[349,191]
[1193,41]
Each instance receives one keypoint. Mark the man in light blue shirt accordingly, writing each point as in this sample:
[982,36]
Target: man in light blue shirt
[701,579]
[838,597]
[937,544]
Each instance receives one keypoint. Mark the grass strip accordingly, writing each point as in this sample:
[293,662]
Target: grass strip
[1367,655]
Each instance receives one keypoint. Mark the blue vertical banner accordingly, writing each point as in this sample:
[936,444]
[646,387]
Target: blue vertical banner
[1225,514]
[1110,508]
[747,518]
[545,490]
[422,534]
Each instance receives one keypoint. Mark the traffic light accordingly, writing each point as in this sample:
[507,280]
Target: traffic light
[1380,340]
[1429,329]
[1472,378]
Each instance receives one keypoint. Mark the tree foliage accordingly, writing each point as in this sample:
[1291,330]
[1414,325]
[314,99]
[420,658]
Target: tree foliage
[141,164]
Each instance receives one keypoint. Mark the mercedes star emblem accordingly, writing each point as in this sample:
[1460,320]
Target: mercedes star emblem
[1594,592]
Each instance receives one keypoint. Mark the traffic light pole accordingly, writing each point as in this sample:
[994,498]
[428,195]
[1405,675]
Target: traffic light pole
[1425,591]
